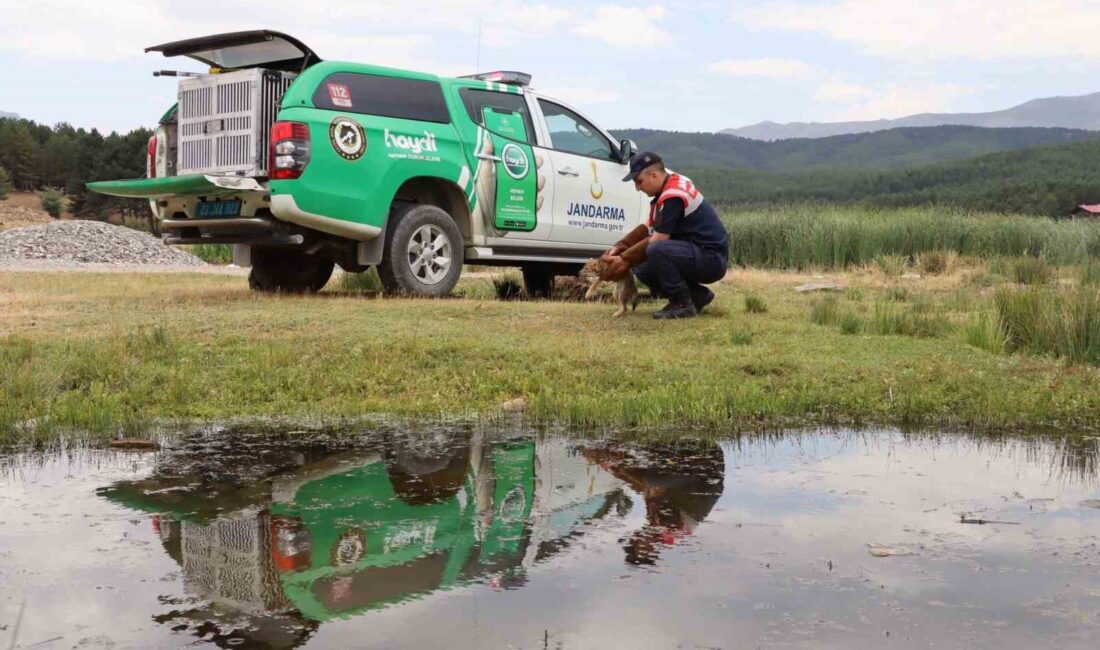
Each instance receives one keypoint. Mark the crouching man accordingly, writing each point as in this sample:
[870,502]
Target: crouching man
[684,245]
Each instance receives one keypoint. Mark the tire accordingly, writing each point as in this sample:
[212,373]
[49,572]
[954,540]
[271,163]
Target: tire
[538,280]
[410,265]
[288,271]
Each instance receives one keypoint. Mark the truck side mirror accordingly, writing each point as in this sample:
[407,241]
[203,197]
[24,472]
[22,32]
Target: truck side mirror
[626,150]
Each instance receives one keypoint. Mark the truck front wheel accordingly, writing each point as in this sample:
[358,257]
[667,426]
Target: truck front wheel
[422,254]
[288,271]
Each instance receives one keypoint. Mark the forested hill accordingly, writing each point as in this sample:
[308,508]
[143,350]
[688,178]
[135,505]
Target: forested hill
[1048,180]
[892,149]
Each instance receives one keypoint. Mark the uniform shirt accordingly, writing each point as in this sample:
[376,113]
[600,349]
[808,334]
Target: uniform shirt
[702,227]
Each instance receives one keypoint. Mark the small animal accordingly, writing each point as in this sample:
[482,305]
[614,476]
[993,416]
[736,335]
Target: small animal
[625,290]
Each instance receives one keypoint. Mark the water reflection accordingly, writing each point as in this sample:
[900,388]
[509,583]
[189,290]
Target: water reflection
[458,537]
[680,483]
[295,534]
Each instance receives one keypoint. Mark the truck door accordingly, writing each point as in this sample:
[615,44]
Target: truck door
[592,204]
[509,195]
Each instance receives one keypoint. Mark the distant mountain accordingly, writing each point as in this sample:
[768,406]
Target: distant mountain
[10,116]
[1082,112]
[891,149]
[1050,180]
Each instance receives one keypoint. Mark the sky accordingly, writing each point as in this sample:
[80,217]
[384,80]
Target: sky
[686,66]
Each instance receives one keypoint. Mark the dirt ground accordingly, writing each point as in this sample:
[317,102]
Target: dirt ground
[21,209]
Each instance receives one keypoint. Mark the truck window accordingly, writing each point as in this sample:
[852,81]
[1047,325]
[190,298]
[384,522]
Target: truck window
[571,132]
[480,103]
[410,99]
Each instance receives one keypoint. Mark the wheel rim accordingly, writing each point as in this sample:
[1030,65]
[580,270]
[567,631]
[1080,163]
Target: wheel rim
[429,254]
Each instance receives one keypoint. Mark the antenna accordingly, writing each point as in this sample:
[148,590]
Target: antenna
[477,65]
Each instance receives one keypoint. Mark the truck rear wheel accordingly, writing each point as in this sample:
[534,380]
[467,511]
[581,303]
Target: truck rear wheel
[422,254]
[288,271]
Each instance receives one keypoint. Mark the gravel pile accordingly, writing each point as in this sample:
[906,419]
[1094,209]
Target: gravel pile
[89,241]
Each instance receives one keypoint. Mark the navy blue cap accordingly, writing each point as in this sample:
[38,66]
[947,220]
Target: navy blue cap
[640,161]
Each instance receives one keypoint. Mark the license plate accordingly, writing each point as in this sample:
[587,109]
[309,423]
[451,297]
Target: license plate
[218,209]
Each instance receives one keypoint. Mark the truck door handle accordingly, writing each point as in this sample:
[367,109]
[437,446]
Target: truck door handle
[568,171]
[485,156]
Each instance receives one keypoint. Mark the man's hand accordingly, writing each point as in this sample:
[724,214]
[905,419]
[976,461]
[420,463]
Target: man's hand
[617,269]
[610,254]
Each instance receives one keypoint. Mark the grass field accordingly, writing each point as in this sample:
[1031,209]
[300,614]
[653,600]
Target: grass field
[109,353]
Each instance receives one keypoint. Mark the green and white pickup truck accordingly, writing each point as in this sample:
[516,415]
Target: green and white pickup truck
[302,164]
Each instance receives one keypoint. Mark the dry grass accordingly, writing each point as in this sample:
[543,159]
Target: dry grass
[22,209]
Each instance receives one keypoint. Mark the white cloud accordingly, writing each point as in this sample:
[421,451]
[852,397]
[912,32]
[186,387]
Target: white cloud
[770,68]
[936,29]
[892,100]
[626,26]
[579,91]
[68,30]
[842,93]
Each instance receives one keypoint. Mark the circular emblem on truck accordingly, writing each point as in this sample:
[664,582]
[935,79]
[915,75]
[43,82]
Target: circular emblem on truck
[347,138]
[515,161]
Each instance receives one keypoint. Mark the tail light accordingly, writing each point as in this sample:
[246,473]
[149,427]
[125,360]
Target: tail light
[151,160]
[289,150]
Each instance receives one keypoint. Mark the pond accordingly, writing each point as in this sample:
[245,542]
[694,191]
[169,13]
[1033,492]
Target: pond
[463,537]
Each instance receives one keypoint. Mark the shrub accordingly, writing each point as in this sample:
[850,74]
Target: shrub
[850,324]
[936,262]
[53,201]
[5,184]
[1031,270]
[508,287]
[365,282]
[754,304]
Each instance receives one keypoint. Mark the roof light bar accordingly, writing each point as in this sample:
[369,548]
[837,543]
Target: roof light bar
[509,77]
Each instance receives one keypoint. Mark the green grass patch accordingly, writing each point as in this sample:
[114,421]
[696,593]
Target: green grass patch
[116,352]
[212,253]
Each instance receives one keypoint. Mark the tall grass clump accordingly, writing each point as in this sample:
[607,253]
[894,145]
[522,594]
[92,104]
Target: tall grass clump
[754,304]
[829,236]
[365,282]
[986,333]
[825,311]
[915,320]
[936,262]
[1062,323]
[1031,270]
[891,265]
[1090,275]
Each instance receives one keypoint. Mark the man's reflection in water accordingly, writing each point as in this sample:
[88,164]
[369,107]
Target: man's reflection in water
[680,482]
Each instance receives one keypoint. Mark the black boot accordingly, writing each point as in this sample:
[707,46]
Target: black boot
[701,297]
[676,308]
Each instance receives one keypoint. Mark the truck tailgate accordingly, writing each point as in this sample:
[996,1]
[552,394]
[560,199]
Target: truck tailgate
[190,185]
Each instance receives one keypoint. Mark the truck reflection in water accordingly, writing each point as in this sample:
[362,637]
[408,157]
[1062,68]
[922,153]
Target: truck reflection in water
[275,539]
